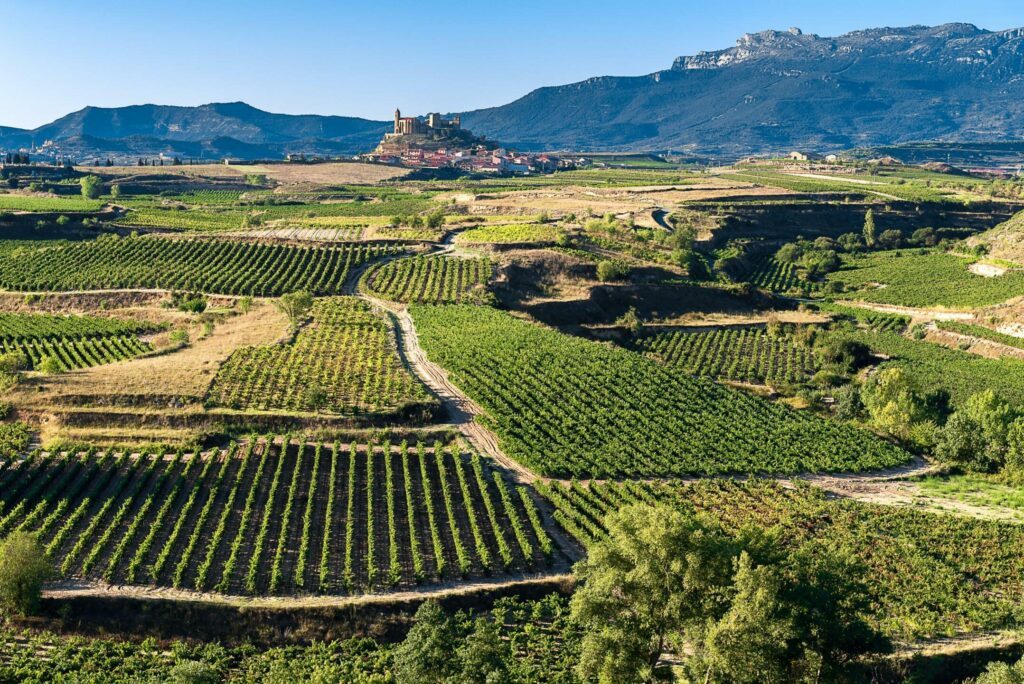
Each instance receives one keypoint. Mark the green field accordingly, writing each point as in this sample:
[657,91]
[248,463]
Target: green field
[571,407]
[981,332]
[46,203]
[431,279]
[933,279]
[264,518]
[512,234]
[206,265]
[341,362]
[747,355]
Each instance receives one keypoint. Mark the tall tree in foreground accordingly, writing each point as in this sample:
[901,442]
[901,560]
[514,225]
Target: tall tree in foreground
[740,611]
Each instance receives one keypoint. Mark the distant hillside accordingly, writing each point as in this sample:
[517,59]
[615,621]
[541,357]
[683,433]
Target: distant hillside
[778,90]
[1005,241]
[213,131]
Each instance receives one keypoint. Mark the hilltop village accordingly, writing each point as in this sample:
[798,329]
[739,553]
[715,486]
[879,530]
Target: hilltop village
[434,142]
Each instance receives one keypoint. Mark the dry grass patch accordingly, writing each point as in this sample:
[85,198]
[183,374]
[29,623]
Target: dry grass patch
[186,373]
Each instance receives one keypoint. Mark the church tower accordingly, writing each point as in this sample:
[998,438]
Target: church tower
[398,115]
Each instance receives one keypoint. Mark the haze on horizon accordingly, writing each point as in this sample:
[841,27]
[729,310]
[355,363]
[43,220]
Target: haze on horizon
[357,59]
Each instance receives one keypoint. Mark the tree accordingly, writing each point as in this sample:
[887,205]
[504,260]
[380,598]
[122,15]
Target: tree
[891,238]
[23,570]
[750,642]
[1002,673]
[484,655]
[892,401]
[657,572]
[925,237]
[435,219]
[427,655]
[92,186]
[115,190]
[789,253]
[295,305]
[850,242]
[869,228]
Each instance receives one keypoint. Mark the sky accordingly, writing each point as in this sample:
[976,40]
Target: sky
[366,58]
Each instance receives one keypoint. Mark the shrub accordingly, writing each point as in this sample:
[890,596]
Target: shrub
[92,186]
[611,270]
[23,570]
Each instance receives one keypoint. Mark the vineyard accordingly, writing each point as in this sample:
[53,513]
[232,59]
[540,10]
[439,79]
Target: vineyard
[588,410]
[71,341]
[932,366]
[343,361]
[929,279]
[931,574]
[431,279]
[47,203]
[262,519]
[746,354]
[981,332]
[513,234]
[222,267]
[776,276]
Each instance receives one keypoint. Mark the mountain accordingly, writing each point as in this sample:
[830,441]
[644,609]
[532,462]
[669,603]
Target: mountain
[779,90]
[210,131]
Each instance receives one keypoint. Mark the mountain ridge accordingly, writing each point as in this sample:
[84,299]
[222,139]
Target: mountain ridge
[775,90]
[771,92]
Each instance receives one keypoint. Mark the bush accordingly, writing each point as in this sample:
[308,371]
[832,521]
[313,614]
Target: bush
[611,270]
[23,570]
[49,365]
[92,186]
[13,439]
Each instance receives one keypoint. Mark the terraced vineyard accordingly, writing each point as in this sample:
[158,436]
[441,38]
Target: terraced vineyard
[776,276]
[222,267]
[258,519]
[343,361]
[982,332]
[745,354]
[511,234]
[930,574]
[933,366]
[71,342]
[431,279]
[47,203]
[924,280]
[568,406]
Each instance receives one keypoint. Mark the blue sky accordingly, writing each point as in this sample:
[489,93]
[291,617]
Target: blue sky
[363,58]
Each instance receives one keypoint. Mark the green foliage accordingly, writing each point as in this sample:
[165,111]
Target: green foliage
[192,302]
[1003,673]
[611,270]
[200,265]
[92,187]
[869,229]
[345,353]
[426,655]
[924,280]
[746,354]
[23,570]
[509,234]
[589,409]
[432,280]
[296,306]
[916,573]
[892,402]
[14,438]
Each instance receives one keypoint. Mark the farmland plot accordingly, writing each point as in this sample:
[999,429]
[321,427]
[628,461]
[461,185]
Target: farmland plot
[261,518]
